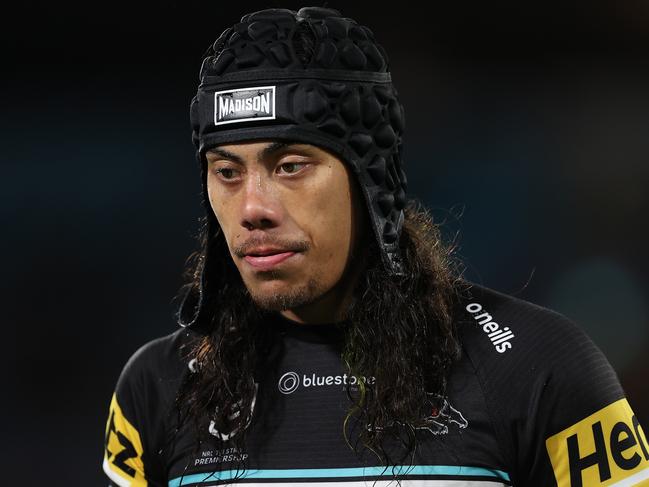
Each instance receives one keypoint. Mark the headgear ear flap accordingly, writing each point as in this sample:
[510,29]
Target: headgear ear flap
[314,77]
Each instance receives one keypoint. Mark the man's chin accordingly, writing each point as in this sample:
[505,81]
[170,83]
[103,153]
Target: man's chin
[279,297]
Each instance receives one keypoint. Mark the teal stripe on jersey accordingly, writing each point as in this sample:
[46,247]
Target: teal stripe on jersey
[324,473]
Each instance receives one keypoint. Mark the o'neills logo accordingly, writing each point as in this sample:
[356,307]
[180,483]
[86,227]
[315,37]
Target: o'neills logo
[500,337]
[244,104]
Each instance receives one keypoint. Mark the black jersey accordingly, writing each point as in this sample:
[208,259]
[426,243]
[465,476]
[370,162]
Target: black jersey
[531,402]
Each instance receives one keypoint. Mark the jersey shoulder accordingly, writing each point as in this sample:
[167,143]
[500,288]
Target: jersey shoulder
[158,360]
[140,410]
[516,342]
[519,330]
[552,394]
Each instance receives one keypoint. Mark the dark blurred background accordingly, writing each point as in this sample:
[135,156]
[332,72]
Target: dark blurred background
[527,135]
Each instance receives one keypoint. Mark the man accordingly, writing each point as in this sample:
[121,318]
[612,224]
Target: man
[327,335]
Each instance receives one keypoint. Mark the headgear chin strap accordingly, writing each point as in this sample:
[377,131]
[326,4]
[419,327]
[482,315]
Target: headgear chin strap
[314,77]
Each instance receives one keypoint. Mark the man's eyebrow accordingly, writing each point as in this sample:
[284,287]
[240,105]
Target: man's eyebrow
[224,154]
[271,149]
[266,152]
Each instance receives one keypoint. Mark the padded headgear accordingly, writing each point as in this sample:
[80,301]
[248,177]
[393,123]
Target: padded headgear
[314,77]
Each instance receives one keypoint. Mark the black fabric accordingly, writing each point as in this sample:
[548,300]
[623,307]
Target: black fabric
[505,405]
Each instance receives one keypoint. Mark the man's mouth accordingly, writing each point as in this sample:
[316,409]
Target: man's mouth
[266,259]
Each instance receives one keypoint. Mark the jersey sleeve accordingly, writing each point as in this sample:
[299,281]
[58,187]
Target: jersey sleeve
[123,450]
[136,427]
[588,434]
[558,406]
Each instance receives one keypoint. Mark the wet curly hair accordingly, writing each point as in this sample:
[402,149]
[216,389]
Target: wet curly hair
[398,330]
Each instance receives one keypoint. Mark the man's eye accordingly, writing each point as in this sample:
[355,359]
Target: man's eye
[290,167]
[226,172]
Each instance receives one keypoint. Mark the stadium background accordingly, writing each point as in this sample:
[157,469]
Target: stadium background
[527,134]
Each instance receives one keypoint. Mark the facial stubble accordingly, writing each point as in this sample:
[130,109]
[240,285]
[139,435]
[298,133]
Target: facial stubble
[293,297]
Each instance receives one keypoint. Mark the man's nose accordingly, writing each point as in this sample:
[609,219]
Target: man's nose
[261,208]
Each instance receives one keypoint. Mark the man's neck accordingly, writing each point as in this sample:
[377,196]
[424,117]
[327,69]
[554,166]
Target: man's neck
[329,308]
[332,306]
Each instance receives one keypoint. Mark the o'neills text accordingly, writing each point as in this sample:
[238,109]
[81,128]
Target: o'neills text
[500,337]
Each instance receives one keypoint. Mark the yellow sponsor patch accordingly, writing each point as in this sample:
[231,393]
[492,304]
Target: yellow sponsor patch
[123,449]
[608,448]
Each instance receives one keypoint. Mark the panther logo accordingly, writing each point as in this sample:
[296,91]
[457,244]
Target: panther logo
[441,417]
[438,416]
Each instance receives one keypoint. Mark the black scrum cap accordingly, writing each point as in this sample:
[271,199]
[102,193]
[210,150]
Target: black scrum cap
[309,76]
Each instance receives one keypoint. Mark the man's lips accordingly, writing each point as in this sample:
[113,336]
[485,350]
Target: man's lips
[265,254]
[269,260]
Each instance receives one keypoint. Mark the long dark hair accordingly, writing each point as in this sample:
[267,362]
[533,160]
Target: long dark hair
[398,330]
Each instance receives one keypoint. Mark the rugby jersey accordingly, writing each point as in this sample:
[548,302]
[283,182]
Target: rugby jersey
[531,402]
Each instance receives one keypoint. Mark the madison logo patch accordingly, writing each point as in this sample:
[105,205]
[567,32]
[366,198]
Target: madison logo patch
[244,104]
